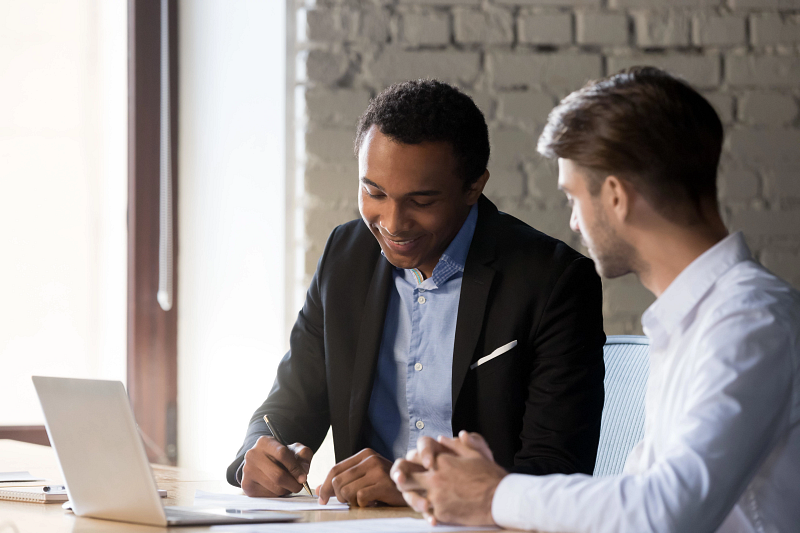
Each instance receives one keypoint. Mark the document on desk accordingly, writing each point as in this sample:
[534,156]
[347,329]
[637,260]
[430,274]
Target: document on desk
[240,502]
[16,477]
[381,525]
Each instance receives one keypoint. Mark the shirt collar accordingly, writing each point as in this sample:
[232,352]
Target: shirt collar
[692,284]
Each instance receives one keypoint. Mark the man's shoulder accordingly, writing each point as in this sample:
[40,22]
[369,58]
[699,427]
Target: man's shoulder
[350,245]
[517,242]
[748,286]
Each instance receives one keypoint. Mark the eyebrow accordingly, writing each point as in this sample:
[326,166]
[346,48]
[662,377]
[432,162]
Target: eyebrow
[412,193]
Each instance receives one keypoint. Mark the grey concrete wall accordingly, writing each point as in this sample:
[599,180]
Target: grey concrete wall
[517,58]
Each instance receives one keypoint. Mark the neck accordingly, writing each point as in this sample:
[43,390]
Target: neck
[667,251]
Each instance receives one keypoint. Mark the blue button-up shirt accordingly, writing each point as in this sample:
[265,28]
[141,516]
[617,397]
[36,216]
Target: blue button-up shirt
[412,392]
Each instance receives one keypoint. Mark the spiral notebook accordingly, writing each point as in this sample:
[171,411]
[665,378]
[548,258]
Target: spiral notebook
[32,494]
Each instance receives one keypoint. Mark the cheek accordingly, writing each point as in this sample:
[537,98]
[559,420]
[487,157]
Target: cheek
[366,208]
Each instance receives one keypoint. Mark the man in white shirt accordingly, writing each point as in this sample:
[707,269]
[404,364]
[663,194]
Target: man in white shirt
[638,155]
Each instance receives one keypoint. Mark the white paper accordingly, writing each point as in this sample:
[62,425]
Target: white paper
[12,477]
[382,525]
[241,502]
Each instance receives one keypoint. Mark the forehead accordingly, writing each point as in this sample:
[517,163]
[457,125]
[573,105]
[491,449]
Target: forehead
[393,164]
[569,174]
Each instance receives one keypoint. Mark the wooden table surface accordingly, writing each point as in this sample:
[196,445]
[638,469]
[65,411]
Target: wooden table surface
[180,484]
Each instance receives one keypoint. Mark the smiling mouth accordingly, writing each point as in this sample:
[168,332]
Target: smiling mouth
[398,243]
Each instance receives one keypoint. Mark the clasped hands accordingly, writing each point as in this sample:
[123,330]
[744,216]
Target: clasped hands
[449,480]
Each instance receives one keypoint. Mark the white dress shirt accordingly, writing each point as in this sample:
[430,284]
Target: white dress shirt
[721,447]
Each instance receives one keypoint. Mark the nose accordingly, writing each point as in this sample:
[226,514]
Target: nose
[393,220]
[573,222]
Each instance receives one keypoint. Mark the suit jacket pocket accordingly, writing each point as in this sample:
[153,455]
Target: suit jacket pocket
[498,352]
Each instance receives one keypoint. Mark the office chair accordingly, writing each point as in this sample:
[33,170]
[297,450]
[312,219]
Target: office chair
[622,425]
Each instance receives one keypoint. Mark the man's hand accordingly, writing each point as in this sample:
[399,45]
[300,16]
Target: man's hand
[271,469]
[458,484]
[362,481]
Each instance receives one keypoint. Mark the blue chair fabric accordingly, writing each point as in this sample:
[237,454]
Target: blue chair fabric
[622,424]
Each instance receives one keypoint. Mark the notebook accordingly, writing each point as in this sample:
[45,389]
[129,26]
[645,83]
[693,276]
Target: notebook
[32,494]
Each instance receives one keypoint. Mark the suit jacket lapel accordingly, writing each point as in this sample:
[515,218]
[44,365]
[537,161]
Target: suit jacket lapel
[369,342]
[475,287]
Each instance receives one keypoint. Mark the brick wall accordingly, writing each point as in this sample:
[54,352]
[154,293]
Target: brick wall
[517,58]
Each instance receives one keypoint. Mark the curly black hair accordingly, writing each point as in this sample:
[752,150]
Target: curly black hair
[419,111]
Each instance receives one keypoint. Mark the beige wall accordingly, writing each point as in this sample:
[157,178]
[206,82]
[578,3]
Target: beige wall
[517,58]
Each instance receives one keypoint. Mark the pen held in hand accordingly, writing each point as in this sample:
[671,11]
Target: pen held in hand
[277,436]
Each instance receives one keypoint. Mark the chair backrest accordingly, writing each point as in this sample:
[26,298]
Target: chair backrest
[622,425]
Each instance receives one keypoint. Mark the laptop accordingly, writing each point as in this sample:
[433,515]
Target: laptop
[91,427]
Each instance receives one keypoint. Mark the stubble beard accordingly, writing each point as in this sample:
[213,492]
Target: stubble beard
[613,257]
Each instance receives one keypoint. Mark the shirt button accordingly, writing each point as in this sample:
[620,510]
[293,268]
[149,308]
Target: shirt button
[418,367]
[421,300]
[420,424]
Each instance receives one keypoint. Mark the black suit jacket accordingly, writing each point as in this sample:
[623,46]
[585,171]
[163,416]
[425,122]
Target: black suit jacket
[538,405]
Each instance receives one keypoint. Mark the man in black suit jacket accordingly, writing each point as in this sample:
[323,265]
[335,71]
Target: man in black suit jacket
[423,148]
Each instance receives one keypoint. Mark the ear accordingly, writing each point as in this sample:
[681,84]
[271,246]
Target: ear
[476,189]
[617,196]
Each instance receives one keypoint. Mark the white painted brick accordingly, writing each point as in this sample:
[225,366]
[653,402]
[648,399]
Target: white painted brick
[330,145]
[567,71]
[441,2]
[755,224]
[341,106]
[780,184]
[505,182]
[329,25]
[700,71]
[510,147]
[320,221]
[325,67]
[528,110]
[762,71]
[545,28]
[660,4]
[771,28]
[661,28]
[375,24]
[737,184]
[332,182]
[710,29]
[455,67]
[622,325]
[767,108]
[776,148]
[723,105]
[764,4]
[558,3]
[601,28]
[488,26]
[543,181]
[625,295]
[431,28]
[783,263]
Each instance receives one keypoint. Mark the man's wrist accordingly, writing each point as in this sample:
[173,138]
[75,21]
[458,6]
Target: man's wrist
[505,500]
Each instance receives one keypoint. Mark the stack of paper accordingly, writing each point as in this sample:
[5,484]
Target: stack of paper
[380,525]
[241,502]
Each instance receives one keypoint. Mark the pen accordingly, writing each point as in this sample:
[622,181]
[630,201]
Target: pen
[277,436]
[54,488]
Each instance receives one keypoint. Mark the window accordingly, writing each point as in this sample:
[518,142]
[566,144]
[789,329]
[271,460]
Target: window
[63,195]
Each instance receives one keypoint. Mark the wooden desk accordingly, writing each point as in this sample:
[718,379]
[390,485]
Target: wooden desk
[180,484]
